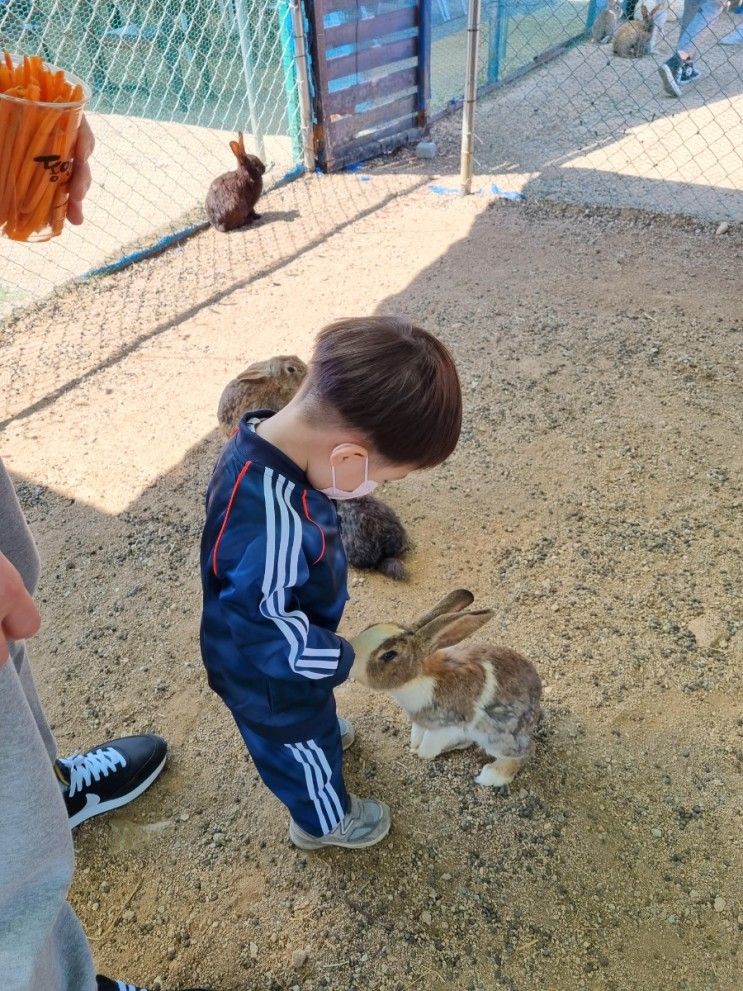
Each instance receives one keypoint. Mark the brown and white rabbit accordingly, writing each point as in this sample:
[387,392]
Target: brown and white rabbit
[231,200]
[638,37]
[268,384]
[606,22]
[455,695]
[371,531]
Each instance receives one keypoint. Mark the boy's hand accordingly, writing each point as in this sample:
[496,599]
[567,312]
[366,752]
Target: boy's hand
[81,178]
[19,617]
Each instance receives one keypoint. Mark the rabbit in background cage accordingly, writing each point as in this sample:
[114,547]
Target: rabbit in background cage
[638,37]
[231,200]
[606,22]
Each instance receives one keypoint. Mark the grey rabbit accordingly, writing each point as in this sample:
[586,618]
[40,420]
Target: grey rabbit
[373,536]
[637,38]
[266,384]
[372,533]
[231,200]
[606,22]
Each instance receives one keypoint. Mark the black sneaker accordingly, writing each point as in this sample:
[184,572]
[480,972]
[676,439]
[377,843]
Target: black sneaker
[110,776]
[677,73]
[106,984]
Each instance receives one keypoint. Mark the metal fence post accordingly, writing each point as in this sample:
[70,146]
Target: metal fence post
[303,84]
[470,95]
[290,66]
[424,61]
[249,73]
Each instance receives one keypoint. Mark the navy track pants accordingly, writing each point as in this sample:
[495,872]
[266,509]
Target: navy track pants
[306,776]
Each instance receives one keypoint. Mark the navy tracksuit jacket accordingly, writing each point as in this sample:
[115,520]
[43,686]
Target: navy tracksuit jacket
[273,573]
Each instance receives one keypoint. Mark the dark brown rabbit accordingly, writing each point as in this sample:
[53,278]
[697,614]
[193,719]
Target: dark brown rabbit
[231,200]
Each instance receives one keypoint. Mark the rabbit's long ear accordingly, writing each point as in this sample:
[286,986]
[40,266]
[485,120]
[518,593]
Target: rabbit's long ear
[455,601]
[445,631]
[258,372]
[241,141]
[644,11]
[237,151]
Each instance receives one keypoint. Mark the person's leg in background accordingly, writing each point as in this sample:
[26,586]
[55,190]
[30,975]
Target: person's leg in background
[679,70]
[697,17]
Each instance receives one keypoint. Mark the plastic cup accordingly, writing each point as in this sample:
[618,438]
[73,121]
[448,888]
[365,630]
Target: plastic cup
[37,143]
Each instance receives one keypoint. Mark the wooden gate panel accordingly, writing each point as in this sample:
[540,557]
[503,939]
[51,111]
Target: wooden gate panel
[371,63]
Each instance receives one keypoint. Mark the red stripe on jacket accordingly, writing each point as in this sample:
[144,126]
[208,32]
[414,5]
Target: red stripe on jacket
[322,532]
[235,487]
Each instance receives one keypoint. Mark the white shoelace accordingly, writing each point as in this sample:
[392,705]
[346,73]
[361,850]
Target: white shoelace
[86,768]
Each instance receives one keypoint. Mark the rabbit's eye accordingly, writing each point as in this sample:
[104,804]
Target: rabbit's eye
[388,655]
[291,369]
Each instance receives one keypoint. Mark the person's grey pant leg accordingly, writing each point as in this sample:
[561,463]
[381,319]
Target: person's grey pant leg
[697,17]
[17,544]
[42,945]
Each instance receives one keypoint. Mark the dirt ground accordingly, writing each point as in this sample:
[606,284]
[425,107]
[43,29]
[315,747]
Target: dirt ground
[594,502]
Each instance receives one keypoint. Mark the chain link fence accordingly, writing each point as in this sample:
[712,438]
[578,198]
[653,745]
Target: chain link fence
[171,80]
[567,117]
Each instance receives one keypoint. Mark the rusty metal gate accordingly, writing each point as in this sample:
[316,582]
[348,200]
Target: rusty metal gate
[371,67]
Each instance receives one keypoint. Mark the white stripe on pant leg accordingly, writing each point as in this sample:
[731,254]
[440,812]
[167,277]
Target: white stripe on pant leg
[321,783]
[326,792]
[326,767]
[310,788]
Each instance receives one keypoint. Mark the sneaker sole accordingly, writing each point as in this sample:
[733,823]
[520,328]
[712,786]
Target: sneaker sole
[348,739]
[310,843]
[669,83]
[90,812]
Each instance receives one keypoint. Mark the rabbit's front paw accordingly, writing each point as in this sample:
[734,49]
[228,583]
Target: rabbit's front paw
[416,735]
[436,741]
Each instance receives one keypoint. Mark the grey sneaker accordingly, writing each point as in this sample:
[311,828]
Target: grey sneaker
[348,734]
[367,823]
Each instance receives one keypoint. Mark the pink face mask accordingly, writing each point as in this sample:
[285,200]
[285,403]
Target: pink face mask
[364,489]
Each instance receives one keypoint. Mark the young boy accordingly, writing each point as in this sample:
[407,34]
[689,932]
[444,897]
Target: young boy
[381,399]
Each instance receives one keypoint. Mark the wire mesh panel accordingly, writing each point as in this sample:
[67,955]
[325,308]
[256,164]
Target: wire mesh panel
[606,102]
[172,80]
[514,34]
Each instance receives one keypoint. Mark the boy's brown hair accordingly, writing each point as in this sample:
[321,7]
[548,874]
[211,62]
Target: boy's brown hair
[393,382]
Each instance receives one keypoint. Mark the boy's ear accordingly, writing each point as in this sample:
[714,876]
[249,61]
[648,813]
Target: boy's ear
[346,452]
